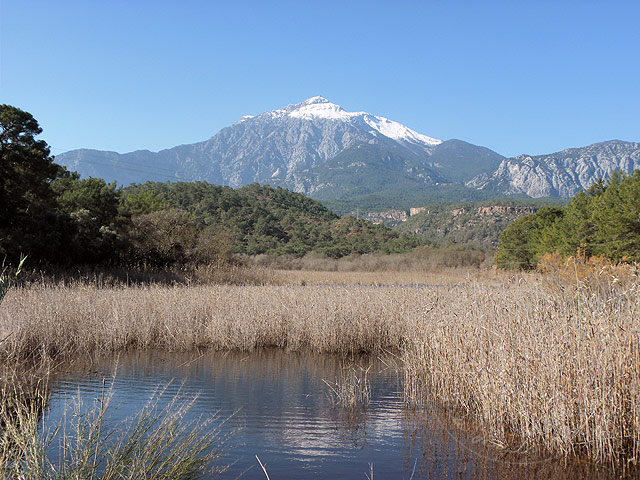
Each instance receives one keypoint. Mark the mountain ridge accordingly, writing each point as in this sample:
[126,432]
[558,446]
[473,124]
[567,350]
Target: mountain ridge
[560,174]
[256,147]
[317,148]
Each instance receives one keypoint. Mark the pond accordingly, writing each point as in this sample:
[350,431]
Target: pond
[277,405]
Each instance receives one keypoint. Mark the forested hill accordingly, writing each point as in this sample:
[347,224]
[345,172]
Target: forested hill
[55,217]
[259,219]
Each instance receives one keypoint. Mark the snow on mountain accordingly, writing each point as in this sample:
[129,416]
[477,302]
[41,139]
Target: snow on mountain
[397,131]
[320,108]
[289,143]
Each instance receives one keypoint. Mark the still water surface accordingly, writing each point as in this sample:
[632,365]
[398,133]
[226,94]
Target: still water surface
[276,405]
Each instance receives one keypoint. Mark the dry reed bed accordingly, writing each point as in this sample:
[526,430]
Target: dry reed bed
[547,365]
[85,320]
[449,277]
[539,366]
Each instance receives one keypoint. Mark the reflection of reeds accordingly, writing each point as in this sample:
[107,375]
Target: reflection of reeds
[23,393]
[351,389]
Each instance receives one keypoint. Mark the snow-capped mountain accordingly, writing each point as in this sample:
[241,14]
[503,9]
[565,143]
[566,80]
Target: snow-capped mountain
[320,149]
[256,148]
[316,108]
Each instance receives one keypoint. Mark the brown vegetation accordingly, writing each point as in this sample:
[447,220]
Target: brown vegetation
[539,363]
[421,259]
[535,360]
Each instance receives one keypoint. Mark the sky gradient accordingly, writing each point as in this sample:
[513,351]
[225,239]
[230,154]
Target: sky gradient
[516,77]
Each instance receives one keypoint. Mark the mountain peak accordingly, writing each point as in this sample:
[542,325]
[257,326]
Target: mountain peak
[319,108]
[314,101]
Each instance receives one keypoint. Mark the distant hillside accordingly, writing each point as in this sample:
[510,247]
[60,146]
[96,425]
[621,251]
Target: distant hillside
[476,224]
[459,161]
[261,219]
[406,199]
[385,170]
[362,169]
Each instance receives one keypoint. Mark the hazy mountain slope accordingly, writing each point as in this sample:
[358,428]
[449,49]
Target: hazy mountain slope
[460,161]
[560,174]
[361,169]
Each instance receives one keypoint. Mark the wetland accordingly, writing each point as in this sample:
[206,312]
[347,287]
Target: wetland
[486,375]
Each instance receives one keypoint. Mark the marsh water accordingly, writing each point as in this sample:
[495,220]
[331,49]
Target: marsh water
[276,405]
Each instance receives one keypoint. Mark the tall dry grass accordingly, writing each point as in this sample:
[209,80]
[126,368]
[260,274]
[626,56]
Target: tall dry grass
[539,364]
[537,361]
[349,271]
[421,259]
[80,320]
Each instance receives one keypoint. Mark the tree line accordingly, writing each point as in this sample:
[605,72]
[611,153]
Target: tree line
[602,221]
[58,218]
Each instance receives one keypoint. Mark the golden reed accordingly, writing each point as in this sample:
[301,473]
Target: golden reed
[548,364]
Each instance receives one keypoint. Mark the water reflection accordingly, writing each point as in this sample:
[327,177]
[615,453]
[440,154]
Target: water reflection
[278,408]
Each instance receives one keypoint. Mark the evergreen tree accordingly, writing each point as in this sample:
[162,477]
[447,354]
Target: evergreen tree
[527,238]
[604,220]
[28,221]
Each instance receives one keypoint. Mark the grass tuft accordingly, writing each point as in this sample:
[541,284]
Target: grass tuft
[157,444]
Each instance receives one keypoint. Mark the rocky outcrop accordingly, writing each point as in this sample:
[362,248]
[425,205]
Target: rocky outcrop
[505,210]
[560,174]
[388,216]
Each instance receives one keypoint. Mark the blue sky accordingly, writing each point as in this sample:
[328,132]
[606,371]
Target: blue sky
[516,77]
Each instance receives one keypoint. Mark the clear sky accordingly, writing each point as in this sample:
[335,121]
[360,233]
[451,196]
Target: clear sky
[517,77]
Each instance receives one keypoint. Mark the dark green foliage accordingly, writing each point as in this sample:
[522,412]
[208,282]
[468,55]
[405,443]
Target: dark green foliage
[604,221]
[252,220]
[26,198]
[615,213]
[526,238]
[55,217]
[92,224]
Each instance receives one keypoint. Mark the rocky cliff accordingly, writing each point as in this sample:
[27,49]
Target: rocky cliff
[560,174]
